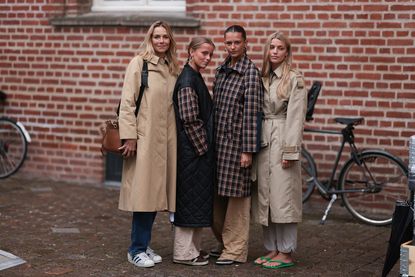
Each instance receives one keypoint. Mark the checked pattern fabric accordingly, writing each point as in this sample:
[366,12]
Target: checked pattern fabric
[238,96]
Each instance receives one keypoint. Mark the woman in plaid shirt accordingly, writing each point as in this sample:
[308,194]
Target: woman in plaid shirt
[238,98]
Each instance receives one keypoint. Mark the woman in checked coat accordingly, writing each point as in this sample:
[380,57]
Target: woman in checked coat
[277,202]
[238,96]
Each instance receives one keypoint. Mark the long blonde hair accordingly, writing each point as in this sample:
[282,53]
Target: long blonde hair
[286,64]
[146,49]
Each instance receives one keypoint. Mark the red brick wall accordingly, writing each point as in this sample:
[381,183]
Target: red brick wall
[63,82]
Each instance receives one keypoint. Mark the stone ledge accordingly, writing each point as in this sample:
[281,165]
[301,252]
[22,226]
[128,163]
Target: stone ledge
[130,19]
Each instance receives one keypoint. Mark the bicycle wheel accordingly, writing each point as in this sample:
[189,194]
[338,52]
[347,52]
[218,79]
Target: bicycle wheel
[308,171]
[382,179]
[13,147]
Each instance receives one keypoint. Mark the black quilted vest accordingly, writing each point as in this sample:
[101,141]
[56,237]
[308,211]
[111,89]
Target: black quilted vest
[195,174]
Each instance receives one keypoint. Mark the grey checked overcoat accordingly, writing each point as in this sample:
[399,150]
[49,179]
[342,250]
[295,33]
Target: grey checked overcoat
[238,97]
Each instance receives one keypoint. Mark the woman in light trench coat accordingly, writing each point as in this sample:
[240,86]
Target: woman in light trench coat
[148,180]
[277,201]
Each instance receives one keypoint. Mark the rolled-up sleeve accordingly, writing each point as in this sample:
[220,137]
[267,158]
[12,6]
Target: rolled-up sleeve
[192,124]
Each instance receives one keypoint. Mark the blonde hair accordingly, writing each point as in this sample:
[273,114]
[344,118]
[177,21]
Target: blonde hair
[286,64]
[146,49]
[196,42]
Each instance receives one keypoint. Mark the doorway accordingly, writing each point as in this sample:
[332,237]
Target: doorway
[113,169]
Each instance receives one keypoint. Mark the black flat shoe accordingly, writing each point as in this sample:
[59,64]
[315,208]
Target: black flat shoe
[215,253]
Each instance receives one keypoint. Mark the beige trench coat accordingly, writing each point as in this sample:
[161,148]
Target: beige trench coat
[278,193]
[149,178]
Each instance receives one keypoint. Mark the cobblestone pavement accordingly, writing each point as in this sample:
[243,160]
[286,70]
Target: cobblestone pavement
[34,215]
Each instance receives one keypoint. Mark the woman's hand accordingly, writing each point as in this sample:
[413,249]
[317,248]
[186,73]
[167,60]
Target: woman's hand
[246,160]
[129,148]
[287,164]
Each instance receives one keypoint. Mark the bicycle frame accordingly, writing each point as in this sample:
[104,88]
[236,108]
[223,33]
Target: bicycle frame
[330,190]
[347,136]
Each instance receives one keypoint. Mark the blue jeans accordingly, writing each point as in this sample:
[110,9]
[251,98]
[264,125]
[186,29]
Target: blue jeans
[141,231]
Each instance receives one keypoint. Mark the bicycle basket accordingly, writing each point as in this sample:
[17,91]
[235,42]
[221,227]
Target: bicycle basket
[312,99]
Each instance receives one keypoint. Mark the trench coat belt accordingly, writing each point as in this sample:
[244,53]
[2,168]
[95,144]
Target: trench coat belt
[275,116]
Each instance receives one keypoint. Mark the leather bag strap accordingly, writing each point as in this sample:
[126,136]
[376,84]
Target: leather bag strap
[144,84]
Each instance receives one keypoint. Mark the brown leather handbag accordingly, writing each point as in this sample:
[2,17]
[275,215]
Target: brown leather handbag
[111,141]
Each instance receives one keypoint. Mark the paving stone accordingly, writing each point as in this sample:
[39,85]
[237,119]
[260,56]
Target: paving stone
[44,189]
[341,247]
[65,230]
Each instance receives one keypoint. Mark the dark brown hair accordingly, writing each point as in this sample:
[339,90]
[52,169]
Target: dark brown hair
[236,29]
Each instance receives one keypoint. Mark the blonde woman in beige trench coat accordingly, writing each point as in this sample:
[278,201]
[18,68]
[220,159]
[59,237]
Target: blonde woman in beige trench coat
[148,181]
[277,200]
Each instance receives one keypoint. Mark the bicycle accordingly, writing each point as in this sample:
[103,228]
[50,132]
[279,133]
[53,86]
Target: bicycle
[369,182]
[14,140]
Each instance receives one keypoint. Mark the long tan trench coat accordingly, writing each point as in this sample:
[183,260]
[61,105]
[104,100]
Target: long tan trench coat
[278,194]
[149,178]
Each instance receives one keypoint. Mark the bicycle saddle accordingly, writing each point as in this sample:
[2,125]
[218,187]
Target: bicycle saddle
[349,120]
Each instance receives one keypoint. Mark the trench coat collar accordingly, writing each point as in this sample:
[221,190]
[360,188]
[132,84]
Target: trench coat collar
[240,66]
[156,60]
[277,72]
[267,80]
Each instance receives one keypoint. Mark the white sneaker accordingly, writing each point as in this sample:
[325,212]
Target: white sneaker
[153,255]
[140,260]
